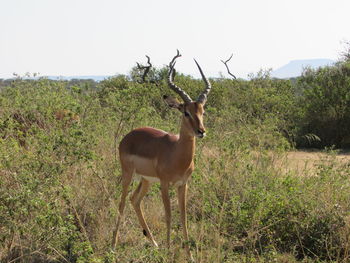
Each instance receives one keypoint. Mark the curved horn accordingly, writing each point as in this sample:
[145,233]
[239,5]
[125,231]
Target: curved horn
[203,97]
[171,83]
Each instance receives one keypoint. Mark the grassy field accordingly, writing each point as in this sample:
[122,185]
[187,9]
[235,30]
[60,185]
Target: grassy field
[214,234]
[252,196]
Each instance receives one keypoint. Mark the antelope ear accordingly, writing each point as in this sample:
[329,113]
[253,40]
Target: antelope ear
[172,102]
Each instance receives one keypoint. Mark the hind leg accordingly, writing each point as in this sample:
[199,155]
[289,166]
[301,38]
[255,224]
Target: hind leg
[126,180]
[136,199]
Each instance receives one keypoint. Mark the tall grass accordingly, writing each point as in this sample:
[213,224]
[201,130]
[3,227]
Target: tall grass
[59,178]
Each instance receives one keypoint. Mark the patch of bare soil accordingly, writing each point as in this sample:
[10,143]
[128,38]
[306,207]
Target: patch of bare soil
[306,162]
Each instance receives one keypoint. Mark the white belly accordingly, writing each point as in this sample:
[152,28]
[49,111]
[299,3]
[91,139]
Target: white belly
[150,179]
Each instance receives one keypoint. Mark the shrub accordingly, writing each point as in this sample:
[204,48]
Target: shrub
[326,105]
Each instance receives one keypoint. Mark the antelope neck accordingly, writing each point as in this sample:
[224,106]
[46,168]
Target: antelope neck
[187,141]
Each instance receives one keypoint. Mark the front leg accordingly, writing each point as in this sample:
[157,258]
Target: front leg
[182,196]
[166,201]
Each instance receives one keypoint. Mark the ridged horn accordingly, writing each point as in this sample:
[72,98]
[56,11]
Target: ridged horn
[203,97]
[186,98]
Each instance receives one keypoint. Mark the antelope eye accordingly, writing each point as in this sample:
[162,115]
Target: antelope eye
[187,114]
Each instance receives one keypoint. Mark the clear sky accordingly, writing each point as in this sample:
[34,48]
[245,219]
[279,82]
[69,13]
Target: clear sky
[105,37]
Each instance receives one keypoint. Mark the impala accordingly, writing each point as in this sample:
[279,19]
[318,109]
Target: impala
[158,156]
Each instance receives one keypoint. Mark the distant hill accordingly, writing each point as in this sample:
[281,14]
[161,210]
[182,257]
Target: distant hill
[295,67]
[93,77]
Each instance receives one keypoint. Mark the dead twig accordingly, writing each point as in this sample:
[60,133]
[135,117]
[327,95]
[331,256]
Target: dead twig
[78,221]
[145,70]
[116,136]
[228,69]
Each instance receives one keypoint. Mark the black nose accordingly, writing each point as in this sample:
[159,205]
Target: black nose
[201,133]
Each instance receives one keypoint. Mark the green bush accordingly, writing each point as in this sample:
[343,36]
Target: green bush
[325,102]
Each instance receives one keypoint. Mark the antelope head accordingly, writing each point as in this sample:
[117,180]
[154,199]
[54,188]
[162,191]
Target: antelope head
[192,120]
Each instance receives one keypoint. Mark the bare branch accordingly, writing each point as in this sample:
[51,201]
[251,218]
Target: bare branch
[228,70]
[145,68]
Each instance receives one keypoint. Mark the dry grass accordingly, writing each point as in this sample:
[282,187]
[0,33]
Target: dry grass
[302,163]
[306,163]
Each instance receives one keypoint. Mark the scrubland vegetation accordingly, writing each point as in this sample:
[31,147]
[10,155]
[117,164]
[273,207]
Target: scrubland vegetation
[59,174]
